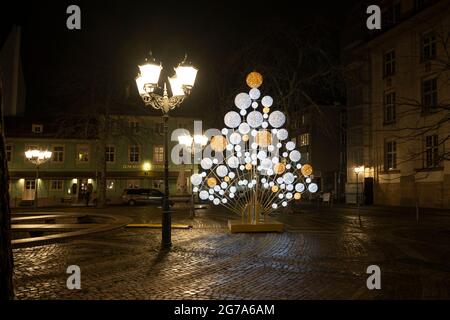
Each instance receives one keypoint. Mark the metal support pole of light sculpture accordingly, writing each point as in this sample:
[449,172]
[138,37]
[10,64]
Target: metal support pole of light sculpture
[181,85]
[37,157]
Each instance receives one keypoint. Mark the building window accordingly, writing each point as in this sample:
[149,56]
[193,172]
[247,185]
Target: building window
[37,128]
[110,153]
[432,151]
[304,139]
[133,184]
[389,107]
[390,155]
[389,64]
[56,185]
[30,184]
[428,48]
[83,153]
[133,153]
[158,154]
[58,154]
[134,126]
[9,150]
[429,95]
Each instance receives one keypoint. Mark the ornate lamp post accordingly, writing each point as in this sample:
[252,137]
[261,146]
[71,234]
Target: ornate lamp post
[181,84]
[37,157]
[190,142]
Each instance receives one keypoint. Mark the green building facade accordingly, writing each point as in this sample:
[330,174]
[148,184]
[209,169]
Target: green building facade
[134,159]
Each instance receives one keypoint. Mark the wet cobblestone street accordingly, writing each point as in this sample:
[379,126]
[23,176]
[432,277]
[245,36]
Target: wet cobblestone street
[322,255]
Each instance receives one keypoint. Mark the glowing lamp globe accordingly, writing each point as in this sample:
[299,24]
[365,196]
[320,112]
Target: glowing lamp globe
[254,79]
[186,74]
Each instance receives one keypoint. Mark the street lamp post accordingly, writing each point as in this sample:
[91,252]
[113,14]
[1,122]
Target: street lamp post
[181,85]
[37,157]
[358,170]
[189,141]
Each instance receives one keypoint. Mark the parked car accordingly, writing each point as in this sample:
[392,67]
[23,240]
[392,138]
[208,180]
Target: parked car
[143,196]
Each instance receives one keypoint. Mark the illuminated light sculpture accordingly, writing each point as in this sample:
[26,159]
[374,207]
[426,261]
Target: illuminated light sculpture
[260,170]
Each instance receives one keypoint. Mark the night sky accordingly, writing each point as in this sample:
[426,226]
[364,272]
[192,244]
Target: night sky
[117,35]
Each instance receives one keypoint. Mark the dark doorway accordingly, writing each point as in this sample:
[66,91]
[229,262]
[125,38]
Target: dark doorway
[368,191]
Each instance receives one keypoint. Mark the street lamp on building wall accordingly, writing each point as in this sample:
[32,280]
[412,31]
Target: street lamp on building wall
[191,142]
[37,157]
[358,170]
[181,85]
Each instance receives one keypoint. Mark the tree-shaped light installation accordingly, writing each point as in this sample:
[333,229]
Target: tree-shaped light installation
[255,168]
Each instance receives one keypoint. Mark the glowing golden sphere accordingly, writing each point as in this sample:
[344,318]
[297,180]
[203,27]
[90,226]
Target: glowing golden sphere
[254,79]
[266,109]
[226,179]
[263,138]
[279,168]
[297,195]
[274,188]
[306,170]
[248,166]
[211,182]
[218,143]
[245,137]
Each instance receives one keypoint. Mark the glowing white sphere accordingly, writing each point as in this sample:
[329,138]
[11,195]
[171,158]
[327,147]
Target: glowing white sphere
[262,155]
[298,164]
[233,162]
[254,104]
[254,146]
[308,180]
[243,112]
[295,156]
[230,147]
[299,187]
[281,196]
[253,133]
[282,134]
[267,101]
[216,201]
[266,185]
[290,145]
[237,148]
[265,115]
[244,128]
[254,93]
[203,174]
[243,100]
[289,195]
[203,195]
[224,185]
[275,160]
[277,119]
[196,179]
[266,164]
[284,203]
[270,148]
[231,195]
[280,180]
[242,167]
[233,189]
[279,145]
[254,119]
[222,171]
[206,163]
[290,187]
[235,138]
[211,197]
[215,161]
[288,166]
[274,205]
[225,131]
[285,154]
[288,178]
[221,192]
[216,188]
[264,124]
[313,188]
[232,119]
[231,175]
[224,200]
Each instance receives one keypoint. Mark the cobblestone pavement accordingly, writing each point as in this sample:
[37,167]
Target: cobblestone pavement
[323,255]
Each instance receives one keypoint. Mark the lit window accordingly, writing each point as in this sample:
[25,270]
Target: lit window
[56,185]
[37,128]
[133,153]
[432,158]
[158,154]
[133,184]
[83,153]
[58,154]
[390,155]
[304,139]
[110,153]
